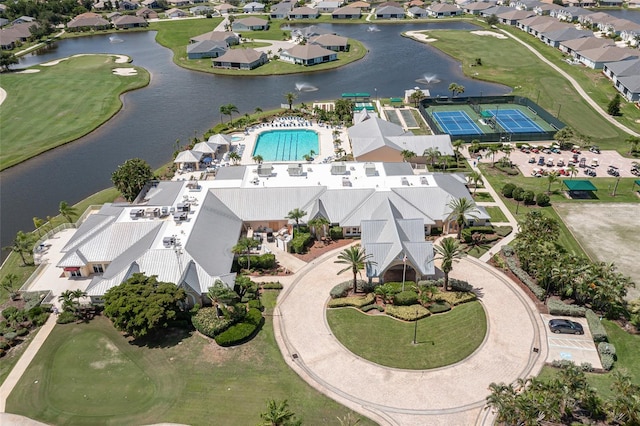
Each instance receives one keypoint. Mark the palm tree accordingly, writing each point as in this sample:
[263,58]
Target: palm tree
[355,258]
[493,149]
[431,154]
[235,157]
[457,144]
[258,159]
[224,110]
[22,244]
[572,171]
[290,97]
[507,149]
[220,293]
[460,209]
[231,108]
[296,214]
[8,282]
[67,211]
[407,155]
[551,178]
[634,141]
[245,245]
[37,224]
[277,414]
[449,251]
[416,97]
[68,301]
[319,222]
[258,110]
[455,89]
[476,178]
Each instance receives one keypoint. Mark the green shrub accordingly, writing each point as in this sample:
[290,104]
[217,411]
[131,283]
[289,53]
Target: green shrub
[255,304]
[9,312]
[558,307]
[439,306]
[586,367]
[66,317]
[503,231]
[597,329]
[405,298]
[267,261]
[355,301]
[274,285]
[397,285]
[22,332]
[206,321]
[459,285]
[335,233]
[481,229]
[408,313]
[254,316]
[508,251]
[341,290]
[525,278]
[40,319]
[368,308]
[507,190]
[528,197]
[518,194]
[511,171]
[607,361]
[4,345]
[300,242]
[10,336]
[542,199]
[606,348]
[236,334]
[456,298]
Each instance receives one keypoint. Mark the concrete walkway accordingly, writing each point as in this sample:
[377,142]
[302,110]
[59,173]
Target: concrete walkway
[453,395]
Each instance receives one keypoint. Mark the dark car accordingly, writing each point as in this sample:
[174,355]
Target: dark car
[565,326]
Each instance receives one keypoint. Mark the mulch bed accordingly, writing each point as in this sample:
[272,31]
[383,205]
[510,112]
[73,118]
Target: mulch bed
[319,248]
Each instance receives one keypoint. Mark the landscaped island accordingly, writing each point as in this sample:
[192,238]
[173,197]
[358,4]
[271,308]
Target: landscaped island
[52,104]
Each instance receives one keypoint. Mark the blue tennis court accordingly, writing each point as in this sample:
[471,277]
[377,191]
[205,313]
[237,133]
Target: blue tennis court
[456,123]
[514,121]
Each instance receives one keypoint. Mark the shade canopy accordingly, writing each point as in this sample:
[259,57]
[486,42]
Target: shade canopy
[580,185]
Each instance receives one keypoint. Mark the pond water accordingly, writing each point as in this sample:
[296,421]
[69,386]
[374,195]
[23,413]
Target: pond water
[180,104]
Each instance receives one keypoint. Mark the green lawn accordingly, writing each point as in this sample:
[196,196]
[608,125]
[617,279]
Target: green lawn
[628,352]
[482,197]
[443,339]
[90,374]
[60,104]
[508,62]
[175,35]
[496,214]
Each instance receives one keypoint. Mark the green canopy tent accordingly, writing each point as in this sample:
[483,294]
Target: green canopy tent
[580,188]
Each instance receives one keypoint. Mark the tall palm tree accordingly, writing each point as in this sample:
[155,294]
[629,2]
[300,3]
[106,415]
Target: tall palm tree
[67,298]
[407,155]
[37,224]
[22,244]
[416,97]
[224,110]
[493,149]
[356,259]
[572,171]
[431,154]
[277,414]
[296,214]
[8,282]
[449,251]
[243,246]
[290,97]
[457,144]
[317,223]
[258,159]
[455,89]
[551,178]
[476,178]
[67,211]
[235,157]
[460,209]
[231,108]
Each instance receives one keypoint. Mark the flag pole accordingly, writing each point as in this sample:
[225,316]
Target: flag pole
[404,270]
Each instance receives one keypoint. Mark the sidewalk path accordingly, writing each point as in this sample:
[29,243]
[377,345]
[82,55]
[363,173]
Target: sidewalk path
[452,395]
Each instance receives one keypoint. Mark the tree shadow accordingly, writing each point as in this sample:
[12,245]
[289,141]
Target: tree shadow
[163,338]
[478,292]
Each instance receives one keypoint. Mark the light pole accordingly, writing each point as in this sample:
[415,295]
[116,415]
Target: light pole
[415,329]
[375,89]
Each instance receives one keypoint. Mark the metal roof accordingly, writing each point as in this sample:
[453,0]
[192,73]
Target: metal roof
[579,185]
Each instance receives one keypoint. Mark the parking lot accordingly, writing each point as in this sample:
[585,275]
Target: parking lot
[599,163]
[571,347]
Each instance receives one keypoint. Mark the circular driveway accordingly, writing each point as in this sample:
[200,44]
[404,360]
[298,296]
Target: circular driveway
[449,395]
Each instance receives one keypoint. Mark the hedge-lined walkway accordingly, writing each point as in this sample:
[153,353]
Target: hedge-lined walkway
[449,395]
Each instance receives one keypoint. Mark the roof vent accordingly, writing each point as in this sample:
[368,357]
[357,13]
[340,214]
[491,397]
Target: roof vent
[405,181]
[295,170]
[338,168]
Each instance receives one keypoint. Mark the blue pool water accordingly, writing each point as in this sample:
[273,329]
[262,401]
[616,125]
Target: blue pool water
[236,138]
[286,145]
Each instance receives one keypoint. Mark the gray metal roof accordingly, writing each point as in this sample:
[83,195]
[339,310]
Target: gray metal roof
[420,143]
[164,194]
[205,46]
[336,204]
[230,173]
[397,169]
[624,68]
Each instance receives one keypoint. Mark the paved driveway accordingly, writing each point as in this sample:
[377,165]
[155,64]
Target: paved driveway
[449,395]
[570,347]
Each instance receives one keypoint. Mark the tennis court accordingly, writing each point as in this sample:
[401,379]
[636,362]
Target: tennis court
[456,123]
[514,121]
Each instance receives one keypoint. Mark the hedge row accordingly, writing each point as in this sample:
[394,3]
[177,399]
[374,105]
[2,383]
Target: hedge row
[206,321]
[264,261]
[355,301]
[368,308]
[455,284]
[236,334]
[439,307]
[598,332]
[605,348]
[558,307]
[456,298]
[274,285]
[525,278]
[340,290]
[300,242]
[405,298]
[408,313]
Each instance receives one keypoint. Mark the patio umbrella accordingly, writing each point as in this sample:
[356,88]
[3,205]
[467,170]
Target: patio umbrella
[207,160]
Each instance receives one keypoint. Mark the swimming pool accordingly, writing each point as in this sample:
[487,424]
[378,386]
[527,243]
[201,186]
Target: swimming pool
[286,145]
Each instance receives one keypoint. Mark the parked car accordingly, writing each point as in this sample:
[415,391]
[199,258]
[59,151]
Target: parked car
[560,163]
[613,171]
[532,160]
[565,326]
[595,149]
[541,161]
[589,171]
[635,169]
[536,172]
[550,162]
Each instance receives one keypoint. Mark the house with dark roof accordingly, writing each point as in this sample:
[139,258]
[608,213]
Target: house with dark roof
[332,42]
[346,12]
[440,10]
[389,12]
[555,37]
[511,17]
[626,78]
[129,21]
[178,3]
[206,49]
[88,21]
[475,8]
[417,12]
[303,13]
[308,54]
[243,59]
[584,43]
[281,10]
[596,58]
[147,13]
[250,24]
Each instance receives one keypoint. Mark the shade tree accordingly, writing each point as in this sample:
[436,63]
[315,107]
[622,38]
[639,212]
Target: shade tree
[130,177]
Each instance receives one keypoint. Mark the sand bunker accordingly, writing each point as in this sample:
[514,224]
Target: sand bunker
[125,72]
[52,63]
[120,59]
[420,36]
[490,33]
[3,95]
[29,71]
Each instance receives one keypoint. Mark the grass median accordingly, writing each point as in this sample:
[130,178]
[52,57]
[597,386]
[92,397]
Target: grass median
[60,103]
[442,339]
[90,374]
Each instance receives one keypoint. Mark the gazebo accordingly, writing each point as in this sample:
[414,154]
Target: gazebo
[580,188]
[189,159]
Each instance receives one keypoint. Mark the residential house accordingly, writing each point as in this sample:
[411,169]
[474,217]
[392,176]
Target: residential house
[200,10]
[633,4]
[3,21]
[494,10]
[206,49]
[250,24]
[417,12]
[554,38]
[128,5]
[346,12]
[512,16]
[88,21]
[24,20]
[9,38]
[129,21]
[151,4]
[569,14]
[440,10]
[596,58]
[243,59]
[389,12]
[475,8]
[619,26]
[308,54]
[178,3]
[303,12]
[610,3]
[626,78]
[310,31]
[228,37]
[328,6]
[527,24]
[366,7]
[592,20]
[225,9]
[544,9]
[584,43]
[281,10]
[253,7]
[175,13]
[580,3]
[147,13]
[112,15]
[332,42]
[412,3]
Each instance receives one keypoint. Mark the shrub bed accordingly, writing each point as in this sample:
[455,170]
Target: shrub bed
[558,307]
[236,334]
[274,285]
[300,242]
[408,313]
[597,329]
[607,361]
[264,261]
[456,298]
[455,284]
[335,233]
[254,316]
[368,308]
[439,307]
[355,301]
[525,278]
[503,231]
[66,317]
[605,348]
[340,290]
[405,298]
[206,321]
